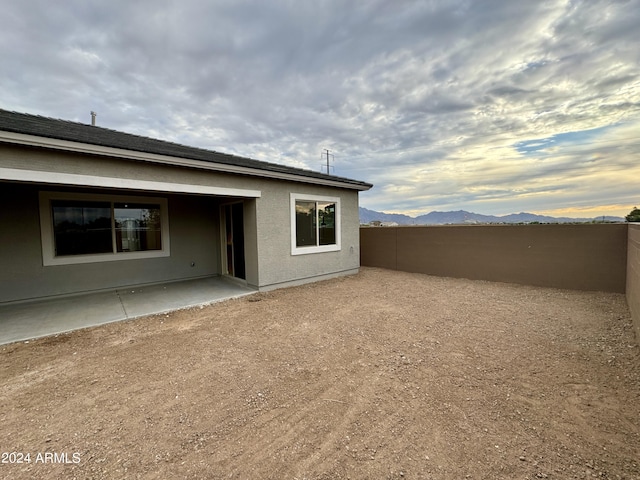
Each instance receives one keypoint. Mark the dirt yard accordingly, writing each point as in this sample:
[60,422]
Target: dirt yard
[382,375]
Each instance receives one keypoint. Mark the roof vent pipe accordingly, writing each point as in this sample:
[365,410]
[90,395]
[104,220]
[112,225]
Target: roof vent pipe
[93,118]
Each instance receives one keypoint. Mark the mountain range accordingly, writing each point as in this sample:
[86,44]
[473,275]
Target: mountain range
[464,217]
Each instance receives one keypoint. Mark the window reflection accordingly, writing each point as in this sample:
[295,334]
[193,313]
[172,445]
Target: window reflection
[315,223]
[137,227]
[81,228]
[305,224]
[327,218]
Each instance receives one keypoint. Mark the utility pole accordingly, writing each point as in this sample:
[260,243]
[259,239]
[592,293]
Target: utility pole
[327,154]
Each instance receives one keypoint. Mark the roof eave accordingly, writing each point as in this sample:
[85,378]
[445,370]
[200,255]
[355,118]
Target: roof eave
[87,148]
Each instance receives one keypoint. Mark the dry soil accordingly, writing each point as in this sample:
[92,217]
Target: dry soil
[381,375]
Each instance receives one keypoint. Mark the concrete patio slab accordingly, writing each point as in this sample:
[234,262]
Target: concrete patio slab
[173,296]
[28,320]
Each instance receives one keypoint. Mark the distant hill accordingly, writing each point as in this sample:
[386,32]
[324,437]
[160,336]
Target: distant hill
[463,217]
[367,216]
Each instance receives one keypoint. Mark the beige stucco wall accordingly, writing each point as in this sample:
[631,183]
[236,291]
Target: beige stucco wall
[276,264]
[633,275]
[269,262]
[581,257]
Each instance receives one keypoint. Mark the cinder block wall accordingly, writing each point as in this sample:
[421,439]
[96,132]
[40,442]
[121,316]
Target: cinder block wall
[633,275]
[579,257]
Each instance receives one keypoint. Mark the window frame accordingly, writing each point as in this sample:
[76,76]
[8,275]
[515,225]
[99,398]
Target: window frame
[47,235]
[334,247]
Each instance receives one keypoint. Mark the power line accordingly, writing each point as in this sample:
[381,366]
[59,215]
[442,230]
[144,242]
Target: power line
[328,154]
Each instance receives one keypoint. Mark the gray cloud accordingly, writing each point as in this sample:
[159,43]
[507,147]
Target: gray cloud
[427,100]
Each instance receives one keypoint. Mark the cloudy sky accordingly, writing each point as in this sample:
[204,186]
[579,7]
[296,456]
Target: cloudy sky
[491,106]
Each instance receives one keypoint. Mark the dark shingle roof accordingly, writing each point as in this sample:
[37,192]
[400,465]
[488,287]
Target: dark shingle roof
[82,133]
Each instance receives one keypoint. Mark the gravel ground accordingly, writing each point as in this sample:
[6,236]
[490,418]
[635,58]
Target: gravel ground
[380,375]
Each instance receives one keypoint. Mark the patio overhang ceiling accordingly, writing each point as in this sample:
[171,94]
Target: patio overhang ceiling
[73,179]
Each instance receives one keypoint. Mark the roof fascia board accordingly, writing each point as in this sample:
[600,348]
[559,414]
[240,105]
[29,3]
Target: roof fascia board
[78,147]
[57,178]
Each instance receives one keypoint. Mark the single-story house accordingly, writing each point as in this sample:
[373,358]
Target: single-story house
[86,208]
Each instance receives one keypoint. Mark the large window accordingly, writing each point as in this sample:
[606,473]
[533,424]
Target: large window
[83,228]
[315,224]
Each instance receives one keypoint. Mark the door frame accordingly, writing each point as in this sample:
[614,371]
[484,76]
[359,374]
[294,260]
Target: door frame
[224,265]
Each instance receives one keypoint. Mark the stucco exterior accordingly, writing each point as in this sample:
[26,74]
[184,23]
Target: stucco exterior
[276,264]
[579,257]
[195,228]
[633,275]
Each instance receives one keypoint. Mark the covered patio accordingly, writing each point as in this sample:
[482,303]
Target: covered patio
[32,319]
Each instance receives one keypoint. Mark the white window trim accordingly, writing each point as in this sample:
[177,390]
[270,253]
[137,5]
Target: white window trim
[295,250]
[47,237]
